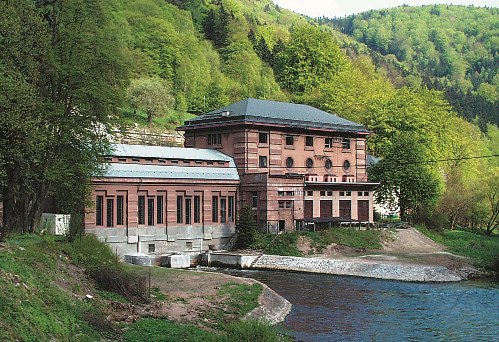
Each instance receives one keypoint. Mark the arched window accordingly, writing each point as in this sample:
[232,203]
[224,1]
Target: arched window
[328,164]
[289,162]
[309,163]
[346,165]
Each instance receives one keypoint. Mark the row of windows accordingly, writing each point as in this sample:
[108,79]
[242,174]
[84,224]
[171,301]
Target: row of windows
[309,163]
[341,193]
[328,142]
[150,210]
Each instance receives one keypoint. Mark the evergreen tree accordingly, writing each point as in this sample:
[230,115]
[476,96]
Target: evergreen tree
[245,228]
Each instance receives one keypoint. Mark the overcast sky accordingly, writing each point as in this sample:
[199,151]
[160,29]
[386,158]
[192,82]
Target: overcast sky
[340,8]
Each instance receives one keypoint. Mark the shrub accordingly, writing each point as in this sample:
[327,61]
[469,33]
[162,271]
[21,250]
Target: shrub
[253,331]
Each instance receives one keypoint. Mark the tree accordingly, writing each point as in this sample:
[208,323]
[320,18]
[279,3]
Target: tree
[245,228]
[152,95]
[62,73]
[405,177]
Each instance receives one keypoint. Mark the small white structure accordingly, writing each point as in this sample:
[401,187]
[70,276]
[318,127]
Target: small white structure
[56,224]
[176,261]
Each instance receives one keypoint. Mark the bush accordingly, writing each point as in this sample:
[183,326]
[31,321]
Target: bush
[131,286]
[253,331]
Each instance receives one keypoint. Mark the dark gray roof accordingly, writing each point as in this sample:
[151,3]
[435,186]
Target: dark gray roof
[273,112]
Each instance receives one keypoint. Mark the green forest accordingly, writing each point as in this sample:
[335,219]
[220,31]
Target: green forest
[423,79]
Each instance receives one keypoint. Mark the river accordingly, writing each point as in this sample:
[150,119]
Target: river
[336,308]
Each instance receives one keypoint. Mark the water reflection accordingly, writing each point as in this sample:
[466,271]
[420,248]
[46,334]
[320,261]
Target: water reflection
[334,308]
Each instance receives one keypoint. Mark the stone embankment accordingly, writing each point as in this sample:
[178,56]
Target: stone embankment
[272,307]
[364,268]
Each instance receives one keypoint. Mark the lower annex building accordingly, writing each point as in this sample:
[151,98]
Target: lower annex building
[293,164]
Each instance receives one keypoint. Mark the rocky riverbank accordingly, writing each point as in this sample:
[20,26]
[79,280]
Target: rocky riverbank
[365,268]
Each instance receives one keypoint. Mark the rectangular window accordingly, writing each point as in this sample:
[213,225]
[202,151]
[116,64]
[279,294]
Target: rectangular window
[328,142]
[142,210]
[359,193]
[109,212]
[188,245]
[214,209]
[254,199]
[151,248]
[323,193]
[281,204]
[310,193]
[214,139]
[345,143]
[342,193]
[120,201]
[348,193]
[263,138]
[150,211]
[99,203]
[288,204]
[330,193]
[262,161]
[309,141]
[180,209]
[231,209]
[223,210]
[159,210]
[188,204]
[197,209]
[289,140]
[366,193]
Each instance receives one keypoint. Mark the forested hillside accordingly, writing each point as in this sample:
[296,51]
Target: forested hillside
[451,48]
[71,72]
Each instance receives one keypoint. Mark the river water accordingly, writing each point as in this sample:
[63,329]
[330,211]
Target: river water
[336,308]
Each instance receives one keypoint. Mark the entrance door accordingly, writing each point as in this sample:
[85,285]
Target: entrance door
[363,210]
[282,225]
[346,209]
[327,208]
[308,209]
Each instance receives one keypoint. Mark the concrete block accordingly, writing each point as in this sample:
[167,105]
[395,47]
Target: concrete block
[176,261]
[140,259]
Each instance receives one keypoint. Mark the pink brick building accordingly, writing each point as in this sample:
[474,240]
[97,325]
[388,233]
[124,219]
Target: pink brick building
[293,164]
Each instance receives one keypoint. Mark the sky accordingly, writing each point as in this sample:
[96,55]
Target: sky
[340,8]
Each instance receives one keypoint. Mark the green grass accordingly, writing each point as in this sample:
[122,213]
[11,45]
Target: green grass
[286,243]
[483,250]
[32,306]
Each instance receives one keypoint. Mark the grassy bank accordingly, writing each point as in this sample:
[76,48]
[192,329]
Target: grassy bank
[55,290]
[483,250]
[286,243]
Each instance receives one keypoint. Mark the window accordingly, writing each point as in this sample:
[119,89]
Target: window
[188,204]
[254,199]
[142,210]
[345,143]
[263,138]
[342,193]
[262,161]
[330,193]
[151,248]
[309,163]
[214,209]
[366,193]
[99,202]
[309,141]
[223,210]
[289,162]
[159,210]
[346,165]
[310,193]
[231,209]
[197,209]
[188,245]
[285,193]
[180,211]
[328,164]
[328,142]
[120,201]
[109,212]
[150,211]
[285,204]
[348,193]
[289,140]
[323,193]
[215,139]
[359,193]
